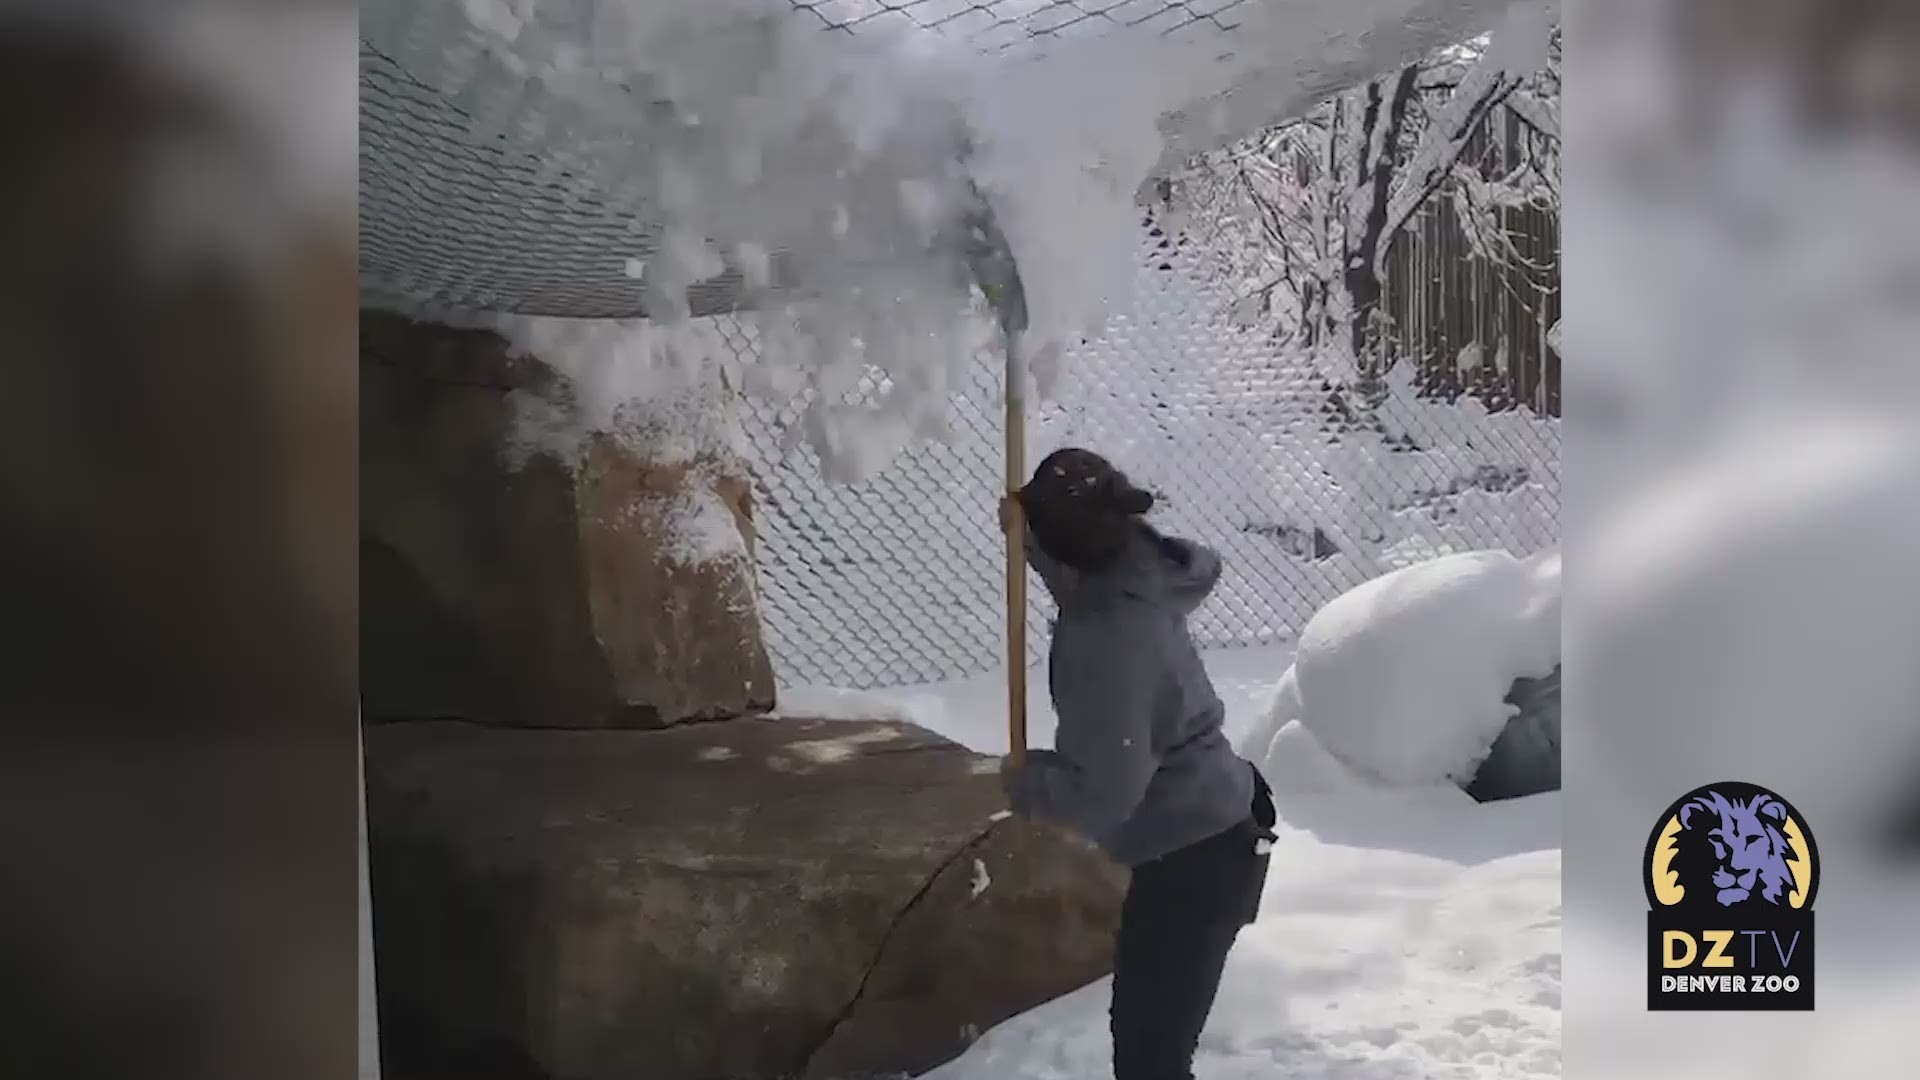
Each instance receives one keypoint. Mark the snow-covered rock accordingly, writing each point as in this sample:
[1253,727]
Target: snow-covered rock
[1525,759]
[564,574]
[1405,679]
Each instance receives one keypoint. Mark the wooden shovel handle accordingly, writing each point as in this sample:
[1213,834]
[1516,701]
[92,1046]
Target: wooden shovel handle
[1016,447]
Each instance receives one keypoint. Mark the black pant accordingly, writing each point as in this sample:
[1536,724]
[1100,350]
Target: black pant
[1180,918]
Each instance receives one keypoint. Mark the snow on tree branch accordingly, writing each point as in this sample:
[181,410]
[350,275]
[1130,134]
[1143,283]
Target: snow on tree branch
[1535,114]
[1302,219]
[1518,49]
[1485,88]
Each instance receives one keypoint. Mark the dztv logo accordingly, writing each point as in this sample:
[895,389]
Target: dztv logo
[1730,873]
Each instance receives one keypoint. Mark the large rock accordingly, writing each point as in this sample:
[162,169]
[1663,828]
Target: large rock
[1525,759]
[603,586]
[746,899]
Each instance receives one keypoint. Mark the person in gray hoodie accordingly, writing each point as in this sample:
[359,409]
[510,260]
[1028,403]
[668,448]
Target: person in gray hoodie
[1140,763]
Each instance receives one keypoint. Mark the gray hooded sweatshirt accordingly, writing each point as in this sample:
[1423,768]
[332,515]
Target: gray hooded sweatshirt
[1140,763]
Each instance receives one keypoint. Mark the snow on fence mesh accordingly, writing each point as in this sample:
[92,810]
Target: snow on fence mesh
[900,580]
[1000,25]
[482,191]
[483,188]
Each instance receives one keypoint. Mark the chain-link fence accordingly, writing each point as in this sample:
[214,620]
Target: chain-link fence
[900,580]
[481,190]
[484,189]
[1478,319]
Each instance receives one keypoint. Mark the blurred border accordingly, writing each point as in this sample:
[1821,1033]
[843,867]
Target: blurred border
[1742,485]
[177,510]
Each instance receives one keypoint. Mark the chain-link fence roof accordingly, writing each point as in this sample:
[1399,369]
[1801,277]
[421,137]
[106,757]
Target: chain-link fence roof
[483,190]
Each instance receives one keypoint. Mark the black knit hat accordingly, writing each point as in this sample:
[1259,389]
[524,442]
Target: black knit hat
[1081,507]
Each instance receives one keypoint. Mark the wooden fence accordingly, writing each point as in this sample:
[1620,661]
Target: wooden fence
[1446,304]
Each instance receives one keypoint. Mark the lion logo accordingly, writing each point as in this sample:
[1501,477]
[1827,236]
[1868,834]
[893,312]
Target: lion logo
[1730,870]
[1731,846]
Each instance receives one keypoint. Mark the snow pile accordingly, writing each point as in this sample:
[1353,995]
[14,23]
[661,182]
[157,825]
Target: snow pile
[1404,679]
[1296,763]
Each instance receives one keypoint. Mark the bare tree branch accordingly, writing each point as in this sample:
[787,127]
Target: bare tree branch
[1382,122]
[1313,206]
[1484,89]
[1536,116]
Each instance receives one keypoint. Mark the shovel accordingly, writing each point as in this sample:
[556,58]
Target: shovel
[994,271]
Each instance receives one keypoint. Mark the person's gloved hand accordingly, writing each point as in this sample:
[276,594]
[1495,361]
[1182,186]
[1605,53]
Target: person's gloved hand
[1010,505]
[1025,785]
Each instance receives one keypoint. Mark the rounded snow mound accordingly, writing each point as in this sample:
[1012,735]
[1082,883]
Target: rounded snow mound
[1298,765]
[1403,680]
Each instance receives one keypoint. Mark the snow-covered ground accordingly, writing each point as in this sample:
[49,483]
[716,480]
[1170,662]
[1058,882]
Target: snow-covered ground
[1402,936]
[1406,932]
